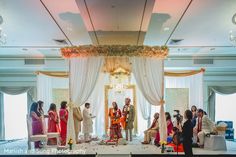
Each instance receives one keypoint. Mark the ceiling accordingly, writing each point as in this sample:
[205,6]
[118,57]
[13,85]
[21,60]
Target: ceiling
[39,28]
[202,26]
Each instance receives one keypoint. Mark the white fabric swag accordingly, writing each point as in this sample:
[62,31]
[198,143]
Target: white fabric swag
[195,85]
[84,73]
[149,75]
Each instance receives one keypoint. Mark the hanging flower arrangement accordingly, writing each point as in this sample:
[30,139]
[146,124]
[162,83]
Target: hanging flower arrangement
[114,50]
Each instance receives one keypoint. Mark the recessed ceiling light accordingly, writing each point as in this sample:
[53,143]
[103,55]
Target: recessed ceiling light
[166,29]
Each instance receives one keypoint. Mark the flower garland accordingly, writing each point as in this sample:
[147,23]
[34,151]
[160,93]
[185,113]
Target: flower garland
[114,50]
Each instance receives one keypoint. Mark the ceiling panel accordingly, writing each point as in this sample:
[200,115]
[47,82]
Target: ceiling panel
[67,15]
[165,16]
[27,23]
[206,23]
[112,19]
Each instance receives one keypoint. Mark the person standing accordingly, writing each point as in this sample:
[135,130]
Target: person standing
[77,115]
[129,114]
[152,131]
[87,123]
[187,133]
[37,122]
[115,127]
[53,123]
[63,113]
[194,120]
[169,124]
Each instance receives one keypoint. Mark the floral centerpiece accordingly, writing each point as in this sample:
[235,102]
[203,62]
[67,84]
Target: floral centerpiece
[70,143]
[163,144]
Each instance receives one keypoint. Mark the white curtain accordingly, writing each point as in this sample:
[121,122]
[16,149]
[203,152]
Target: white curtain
[195,85]
[2,123]
[44,90]
[84,73]
[149,75]
[10,91]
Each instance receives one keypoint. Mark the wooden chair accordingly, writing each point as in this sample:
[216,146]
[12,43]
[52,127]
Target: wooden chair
[34,138]
[53,135]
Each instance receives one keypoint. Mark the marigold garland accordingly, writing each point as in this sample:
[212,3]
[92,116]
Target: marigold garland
[114,50]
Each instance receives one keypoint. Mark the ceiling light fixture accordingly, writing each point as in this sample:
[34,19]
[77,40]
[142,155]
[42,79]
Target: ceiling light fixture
[232,37]
[234,19]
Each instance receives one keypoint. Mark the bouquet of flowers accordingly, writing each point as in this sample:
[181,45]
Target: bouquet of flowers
[163,143]
[70,143]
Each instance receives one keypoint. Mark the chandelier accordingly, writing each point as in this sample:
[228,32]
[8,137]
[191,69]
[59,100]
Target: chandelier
[232,34]
[119,80]
[3,36]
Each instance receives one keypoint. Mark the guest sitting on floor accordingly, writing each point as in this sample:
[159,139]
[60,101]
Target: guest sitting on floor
[53,123]
[187,133]
[37,122]
[63,113]
[203,126]
[152,131]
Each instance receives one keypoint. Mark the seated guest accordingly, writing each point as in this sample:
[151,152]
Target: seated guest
[63,113]
[203,126]
[77,116]
[152,131]
[187,133]
[115,128]
[53,123]
[169,124]
[37,122]
[87,123]
[169,128]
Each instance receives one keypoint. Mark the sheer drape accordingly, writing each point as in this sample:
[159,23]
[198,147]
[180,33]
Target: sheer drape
[44,90]
[2,125]
[195,85]
[84,73]
[10,91]
[31,97]
[149,75]
[212,94]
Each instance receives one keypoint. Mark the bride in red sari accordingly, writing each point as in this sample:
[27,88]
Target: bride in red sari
[115,128]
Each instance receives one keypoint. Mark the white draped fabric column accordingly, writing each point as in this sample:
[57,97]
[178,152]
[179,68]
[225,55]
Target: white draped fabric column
[149,75]
[193,82]
[84,73]
[44,90]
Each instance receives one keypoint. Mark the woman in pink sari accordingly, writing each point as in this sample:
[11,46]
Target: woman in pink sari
[63,113]
[37,122]
[53,123]
[169,124]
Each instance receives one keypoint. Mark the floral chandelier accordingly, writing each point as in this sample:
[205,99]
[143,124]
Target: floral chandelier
[115,51]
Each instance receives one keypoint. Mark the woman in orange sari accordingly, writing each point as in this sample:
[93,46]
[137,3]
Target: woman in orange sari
[115,128]
[63,122]
[53,123]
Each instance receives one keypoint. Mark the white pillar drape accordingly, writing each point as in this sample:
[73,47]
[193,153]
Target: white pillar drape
[195,85]
[84,73]
[149,75]
[44,90]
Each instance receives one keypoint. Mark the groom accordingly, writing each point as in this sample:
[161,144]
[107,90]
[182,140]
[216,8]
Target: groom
[128,114]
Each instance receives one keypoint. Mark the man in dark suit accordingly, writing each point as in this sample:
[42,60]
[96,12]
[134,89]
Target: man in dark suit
[187,133]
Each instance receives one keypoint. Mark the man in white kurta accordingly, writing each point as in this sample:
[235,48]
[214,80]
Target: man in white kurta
[203,126]
[87,123]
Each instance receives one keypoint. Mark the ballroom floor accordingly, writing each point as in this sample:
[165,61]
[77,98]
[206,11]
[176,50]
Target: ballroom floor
[20,148]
